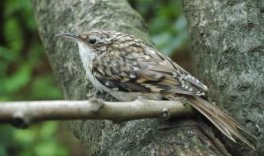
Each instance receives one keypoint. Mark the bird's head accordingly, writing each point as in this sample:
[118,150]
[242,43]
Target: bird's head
[91,43]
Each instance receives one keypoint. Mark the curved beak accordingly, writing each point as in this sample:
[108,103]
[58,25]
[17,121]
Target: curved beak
[68,35]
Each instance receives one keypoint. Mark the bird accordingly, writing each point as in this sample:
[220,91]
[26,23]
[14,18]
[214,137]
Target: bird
[125,67]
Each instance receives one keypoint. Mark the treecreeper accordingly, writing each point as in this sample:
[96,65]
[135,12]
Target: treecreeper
[124,67]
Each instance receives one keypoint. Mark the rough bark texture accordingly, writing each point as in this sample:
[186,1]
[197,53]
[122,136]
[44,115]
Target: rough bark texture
[228,45]
[140,137]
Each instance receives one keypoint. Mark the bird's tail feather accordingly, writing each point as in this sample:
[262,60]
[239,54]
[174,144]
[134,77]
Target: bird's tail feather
[225,123]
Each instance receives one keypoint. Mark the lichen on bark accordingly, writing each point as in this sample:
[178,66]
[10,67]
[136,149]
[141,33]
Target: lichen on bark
[228,46]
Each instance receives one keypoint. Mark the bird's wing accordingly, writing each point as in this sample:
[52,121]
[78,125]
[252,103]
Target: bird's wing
[145,70]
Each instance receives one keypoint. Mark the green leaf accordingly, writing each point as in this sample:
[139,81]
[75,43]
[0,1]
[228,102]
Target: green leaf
[48,129]
[13,34]
[7,54]
[49,148]
[43,87]
[25,137]
[18,80]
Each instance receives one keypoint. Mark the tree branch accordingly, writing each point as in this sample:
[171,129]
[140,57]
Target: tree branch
[23,113]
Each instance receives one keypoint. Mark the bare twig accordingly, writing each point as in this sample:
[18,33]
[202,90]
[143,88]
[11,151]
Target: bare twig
[23,113]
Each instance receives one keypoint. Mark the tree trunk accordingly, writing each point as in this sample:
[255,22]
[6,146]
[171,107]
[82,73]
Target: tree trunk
[139,137]
[228,46]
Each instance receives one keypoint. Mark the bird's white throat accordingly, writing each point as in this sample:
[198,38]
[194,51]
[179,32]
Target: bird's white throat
[86,54]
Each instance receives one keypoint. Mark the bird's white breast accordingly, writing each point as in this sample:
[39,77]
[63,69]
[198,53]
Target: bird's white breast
[87,55]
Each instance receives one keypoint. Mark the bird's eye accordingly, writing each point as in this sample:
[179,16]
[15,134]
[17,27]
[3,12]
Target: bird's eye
[92,41]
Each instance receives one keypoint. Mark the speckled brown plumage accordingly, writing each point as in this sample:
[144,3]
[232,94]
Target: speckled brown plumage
[126,64]
[120,63]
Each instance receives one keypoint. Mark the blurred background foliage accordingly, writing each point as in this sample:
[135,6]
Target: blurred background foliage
[167,25]
[25,73]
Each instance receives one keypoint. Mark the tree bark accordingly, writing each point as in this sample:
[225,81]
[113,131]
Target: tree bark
[139,137]
[228,46]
